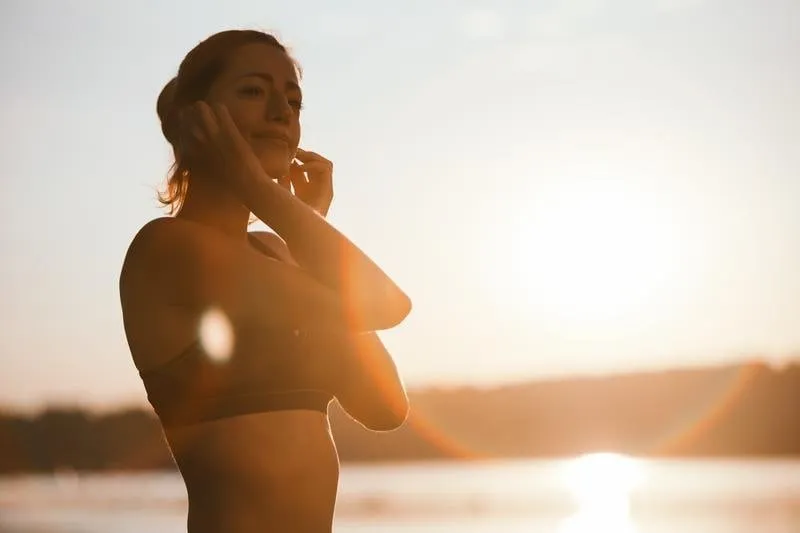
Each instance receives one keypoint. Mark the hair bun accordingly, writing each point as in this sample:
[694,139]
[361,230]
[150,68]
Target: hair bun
[167,112]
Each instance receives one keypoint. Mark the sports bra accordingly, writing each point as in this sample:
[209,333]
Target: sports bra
[193,387]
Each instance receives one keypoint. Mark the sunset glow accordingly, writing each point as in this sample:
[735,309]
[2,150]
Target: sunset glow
[597,253]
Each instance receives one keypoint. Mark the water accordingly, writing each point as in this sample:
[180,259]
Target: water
[600,493]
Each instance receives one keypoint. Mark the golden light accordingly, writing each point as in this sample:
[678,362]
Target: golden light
[596,252]
[601,485]
[216,335]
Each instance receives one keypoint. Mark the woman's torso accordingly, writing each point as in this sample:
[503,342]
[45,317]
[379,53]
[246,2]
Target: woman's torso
[246,468]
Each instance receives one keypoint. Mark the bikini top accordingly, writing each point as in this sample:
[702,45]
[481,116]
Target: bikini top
[194,387]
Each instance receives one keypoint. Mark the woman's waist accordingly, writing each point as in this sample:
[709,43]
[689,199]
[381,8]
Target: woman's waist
[255,449]
[277,469]
[286,504]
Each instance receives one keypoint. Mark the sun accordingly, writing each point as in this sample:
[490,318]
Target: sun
[595,252]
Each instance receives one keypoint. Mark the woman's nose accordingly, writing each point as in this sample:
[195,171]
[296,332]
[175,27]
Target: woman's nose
[278,107]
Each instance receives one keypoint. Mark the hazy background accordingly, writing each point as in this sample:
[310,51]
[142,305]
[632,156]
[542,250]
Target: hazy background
[562,187]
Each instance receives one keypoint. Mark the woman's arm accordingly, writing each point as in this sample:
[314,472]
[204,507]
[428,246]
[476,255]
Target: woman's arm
[355,367]
[326,254]
[362,375]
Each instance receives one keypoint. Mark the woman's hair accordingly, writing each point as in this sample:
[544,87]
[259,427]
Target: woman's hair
[197,72]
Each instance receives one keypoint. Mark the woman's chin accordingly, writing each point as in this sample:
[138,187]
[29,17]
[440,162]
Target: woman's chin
[274,158]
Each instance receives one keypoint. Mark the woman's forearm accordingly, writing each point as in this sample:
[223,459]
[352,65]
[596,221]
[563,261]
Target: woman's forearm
[325,252]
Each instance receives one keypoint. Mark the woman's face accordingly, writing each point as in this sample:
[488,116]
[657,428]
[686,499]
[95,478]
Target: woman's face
[261,90]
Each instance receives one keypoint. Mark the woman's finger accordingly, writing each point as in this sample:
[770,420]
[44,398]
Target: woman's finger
[306,156]
[227,127]
[191,134]
[317,170]
[300,154]
[297,175]
[191,126]
[207,119]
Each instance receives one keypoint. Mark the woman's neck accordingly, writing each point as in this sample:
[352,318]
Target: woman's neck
[217,208]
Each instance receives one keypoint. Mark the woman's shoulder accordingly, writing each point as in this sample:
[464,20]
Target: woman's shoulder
[164,226]
[159,240]
[154,229]
[168,232]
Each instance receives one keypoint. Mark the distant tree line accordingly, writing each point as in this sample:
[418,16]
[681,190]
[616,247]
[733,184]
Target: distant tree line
[749,410]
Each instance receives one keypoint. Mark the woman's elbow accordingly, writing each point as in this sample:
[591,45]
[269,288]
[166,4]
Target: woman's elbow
[387,420]
[393,311]
[384,414]
[402,307]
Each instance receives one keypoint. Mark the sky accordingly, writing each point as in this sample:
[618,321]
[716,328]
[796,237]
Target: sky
[561,186]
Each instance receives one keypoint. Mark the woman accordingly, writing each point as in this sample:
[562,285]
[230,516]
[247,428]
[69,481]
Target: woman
[249,431]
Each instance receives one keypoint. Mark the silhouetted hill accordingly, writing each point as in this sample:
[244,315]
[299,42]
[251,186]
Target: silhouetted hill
[731,411]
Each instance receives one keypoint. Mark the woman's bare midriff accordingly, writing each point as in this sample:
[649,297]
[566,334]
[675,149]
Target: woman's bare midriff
[275,471]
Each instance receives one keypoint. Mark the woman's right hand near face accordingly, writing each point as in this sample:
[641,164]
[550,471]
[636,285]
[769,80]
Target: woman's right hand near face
[212,141]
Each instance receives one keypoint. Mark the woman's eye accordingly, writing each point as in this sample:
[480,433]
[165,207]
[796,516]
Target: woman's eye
[252,90]
[297,105]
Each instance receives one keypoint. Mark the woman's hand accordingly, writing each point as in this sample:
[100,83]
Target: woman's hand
[211,139]
[212,142]
[312,180]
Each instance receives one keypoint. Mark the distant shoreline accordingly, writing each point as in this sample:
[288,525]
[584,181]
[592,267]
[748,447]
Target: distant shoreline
[69,474]
[732,412]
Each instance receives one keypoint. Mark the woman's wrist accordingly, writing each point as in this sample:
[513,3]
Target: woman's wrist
[272,203]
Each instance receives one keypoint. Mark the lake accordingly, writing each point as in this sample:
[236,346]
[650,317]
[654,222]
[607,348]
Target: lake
[603,493]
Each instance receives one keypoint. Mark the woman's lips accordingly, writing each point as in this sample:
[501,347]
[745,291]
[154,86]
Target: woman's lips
[271,136]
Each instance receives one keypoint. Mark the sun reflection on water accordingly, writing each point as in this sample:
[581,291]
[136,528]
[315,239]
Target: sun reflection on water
[601,484]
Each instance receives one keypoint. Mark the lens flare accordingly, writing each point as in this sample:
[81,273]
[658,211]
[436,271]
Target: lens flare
[216,335]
